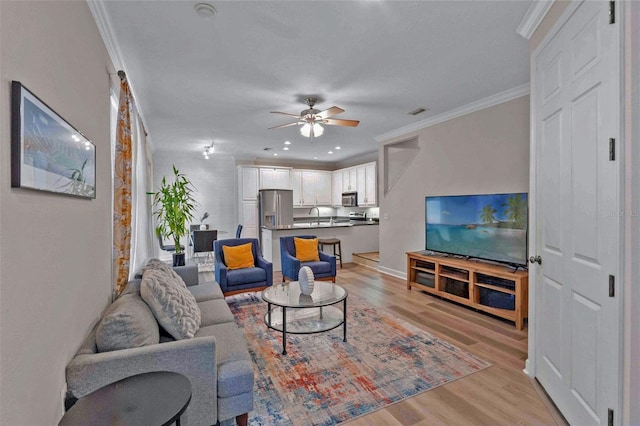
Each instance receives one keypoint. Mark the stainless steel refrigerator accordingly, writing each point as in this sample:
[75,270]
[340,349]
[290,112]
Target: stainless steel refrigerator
[275,208]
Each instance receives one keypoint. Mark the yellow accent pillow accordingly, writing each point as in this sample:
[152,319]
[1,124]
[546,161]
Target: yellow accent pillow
[306,249]
[238,257]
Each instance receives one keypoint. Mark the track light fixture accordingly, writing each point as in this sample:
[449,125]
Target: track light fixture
[208,149]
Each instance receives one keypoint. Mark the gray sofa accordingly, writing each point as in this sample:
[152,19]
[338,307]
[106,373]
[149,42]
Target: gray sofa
[216,360]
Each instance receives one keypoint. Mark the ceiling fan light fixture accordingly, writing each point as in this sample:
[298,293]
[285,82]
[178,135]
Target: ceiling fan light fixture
[305,130]
[318,130]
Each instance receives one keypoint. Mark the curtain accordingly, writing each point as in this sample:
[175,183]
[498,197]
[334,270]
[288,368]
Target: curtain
[142,235]
[122,190]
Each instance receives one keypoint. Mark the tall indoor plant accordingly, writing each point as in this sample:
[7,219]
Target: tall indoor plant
[174,206]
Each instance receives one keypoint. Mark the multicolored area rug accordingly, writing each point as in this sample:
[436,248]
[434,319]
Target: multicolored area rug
[324,381]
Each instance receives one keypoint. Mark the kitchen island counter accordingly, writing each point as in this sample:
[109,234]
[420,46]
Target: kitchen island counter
[354,238]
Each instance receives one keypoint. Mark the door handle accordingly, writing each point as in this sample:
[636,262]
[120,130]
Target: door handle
[535,259]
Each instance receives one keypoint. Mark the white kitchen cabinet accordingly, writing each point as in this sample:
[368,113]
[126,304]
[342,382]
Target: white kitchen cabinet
[336,185]
[248,182]
[349,179]
[371,184]
[323,188]
[249,219]
[311,188]
[366,184]
[274,178]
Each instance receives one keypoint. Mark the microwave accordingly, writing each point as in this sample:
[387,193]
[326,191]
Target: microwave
[350,199]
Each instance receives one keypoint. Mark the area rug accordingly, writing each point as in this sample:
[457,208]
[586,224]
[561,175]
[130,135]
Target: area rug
[325,381]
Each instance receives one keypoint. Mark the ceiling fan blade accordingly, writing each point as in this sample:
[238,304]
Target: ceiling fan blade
[284,125]
[338,122]
[329,112]
[285,113]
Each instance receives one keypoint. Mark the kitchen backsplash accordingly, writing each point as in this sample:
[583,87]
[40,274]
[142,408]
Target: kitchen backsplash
[372,212]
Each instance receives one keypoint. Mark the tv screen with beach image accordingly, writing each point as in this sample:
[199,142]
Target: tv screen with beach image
[488,226]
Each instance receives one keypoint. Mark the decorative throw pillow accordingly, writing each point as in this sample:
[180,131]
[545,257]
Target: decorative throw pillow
[238,257]
[306,249]
[159,265]
[172,304]
[127,323]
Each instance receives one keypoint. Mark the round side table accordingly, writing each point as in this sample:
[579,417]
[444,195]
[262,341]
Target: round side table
[156,398]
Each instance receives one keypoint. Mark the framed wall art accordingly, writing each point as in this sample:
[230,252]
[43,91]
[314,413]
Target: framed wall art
[48,153]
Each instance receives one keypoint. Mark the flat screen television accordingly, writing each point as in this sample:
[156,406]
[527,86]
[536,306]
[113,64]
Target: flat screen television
[486,226]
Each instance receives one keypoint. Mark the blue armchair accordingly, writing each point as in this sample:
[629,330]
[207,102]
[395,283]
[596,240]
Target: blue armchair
[233,281]
[325,269]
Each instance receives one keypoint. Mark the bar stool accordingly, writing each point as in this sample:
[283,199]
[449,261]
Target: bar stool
[332,242]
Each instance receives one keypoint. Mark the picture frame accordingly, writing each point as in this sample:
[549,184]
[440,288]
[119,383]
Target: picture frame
[47,153]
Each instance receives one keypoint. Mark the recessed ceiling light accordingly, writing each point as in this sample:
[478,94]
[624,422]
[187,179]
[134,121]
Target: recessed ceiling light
[287,143]
[330,152]
[315,158]
[275,154]
[286,148]
[205,10]
[338,147]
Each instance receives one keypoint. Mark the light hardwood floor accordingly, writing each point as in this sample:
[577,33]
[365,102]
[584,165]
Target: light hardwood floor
[499,395]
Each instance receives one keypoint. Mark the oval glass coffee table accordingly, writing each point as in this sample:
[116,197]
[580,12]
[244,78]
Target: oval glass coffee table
[297,313]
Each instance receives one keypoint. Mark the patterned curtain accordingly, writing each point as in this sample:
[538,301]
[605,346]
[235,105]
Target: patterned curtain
[122,189]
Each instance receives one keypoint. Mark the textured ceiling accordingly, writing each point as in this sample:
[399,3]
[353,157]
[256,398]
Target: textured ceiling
[200,79]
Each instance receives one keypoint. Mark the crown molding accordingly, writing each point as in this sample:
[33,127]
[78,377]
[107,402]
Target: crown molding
[103,22]
[487,102]
[532,18]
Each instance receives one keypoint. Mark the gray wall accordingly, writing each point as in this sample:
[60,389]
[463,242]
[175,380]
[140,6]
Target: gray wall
[55,278]
[486,151]
[216,184]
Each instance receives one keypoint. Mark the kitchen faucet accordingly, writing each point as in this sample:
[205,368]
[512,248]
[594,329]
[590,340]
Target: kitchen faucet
[318,210]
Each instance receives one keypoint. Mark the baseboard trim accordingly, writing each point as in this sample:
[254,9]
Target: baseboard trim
[392,272]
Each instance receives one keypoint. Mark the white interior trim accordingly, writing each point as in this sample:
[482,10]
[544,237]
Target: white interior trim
[534,16]
[110,40]
[489,101]
[388,271]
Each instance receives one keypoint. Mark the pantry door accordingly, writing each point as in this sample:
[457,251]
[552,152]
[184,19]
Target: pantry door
[576,100]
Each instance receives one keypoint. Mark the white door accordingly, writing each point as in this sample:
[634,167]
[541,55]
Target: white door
[371,184]
[308,188]
[336,190]
[577,229]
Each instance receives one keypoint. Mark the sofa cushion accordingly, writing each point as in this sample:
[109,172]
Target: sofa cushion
[127,323]
[245,276]
[159,265]
[235,369]
[214,312]
[206,291]
[318,267]
[238,257]
[132,287]
[172,304]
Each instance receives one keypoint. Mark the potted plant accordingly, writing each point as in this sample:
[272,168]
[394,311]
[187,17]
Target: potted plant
[174,206]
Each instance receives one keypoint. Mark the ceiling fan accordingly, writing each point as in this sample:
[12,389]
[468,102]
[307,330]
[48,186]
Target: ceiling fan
[311,119]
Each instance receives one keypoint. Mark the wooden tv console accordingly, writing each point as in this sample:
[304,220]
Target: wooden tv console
[494,289]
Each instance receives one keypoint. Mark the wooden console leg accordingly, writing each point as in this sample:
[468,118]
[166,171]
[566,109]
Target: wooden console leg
[242,419]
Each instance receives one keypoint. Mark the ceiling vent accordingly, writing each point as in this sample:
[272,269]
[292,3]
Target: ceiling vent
[205,10]
[418,111]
